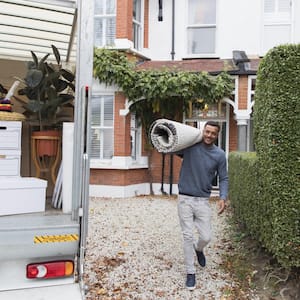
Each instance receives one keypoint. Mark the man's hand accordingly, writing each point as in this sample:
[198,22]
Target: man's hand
[221,206]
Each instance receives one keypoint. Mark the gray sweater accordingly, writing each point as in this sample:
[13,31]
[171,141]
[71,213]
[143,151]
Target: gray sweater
[199,166]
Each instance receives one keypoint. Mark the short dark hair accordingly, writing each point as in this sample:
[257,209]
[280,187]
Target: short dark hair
[213,123]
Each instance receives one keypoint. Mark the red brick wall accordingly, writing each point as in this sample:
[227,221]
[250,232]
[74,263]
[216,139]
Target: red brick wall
[232,132]
[121,128]
[156,167]
[124,19]
[243,91]
[118,177]
[146,24]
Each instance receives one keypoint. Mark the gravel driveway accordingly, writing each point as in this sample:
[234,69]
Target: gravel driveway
[135,251]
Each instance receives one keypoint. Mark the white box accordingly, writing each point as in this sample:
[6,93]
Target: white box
[10,135]
[10,165]
[21,195]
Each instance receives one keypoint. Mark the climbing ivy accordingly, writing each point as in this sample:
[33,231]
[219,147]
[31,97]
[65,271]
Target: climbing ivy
[159,93]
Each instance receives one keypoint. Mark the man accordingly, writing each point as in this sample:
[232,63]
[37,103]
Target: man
[201,162]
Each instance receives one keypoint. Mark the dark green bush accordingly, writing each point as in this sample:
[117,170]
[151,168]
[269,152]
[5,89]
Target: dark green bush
[244,192]
[265,190]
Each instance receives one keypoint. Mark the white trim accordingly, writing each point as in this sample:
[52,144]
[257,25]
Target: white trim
[123,44]
[120,163]
[133,190]
[113,191]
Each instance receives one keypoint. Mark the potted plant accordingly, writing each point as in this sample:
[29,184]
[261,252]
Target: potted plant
[48,87]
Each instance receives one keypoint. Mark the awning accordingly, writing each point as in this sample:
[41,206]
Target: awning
[29,25]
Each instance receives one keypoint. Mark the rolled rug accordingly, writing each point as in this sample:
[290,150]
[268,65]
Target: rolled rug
[171,136]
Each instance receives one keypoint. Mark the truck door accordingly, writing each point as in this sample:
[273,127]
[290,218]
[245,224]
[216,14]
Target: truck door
[77,223]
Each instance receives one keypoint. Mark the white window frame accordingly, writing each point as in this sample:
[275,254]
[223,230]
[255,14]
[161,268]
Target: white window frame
[101,127]
[201,25]
[138,29]
[276,19]
[105,17]
[136,137]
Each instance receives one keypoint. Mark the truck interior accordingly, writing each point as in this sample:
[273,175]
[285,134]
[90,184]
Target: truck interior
[53,231]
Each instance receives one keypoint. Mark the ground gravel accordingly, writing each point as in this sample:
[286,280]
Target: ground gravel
[134,251]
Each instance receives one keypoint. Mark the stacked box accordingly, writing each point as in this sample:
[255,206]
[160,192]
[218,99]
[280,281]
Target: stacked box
[18,194]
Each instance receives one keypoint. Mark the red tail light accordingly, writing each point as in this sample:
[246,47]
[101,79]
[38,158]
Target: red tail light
[50,269]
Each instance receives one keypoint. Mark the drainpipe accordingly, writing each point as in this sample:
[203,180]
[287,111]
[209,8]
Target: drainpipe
[173,30]
[172,56]
[160,10]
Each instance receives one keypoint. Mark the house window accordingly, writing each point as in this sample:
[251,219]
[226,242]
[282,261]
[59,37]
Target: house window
[105,22]
[135,137]
[102,130]
[277,23]
[201,29]
[137,24]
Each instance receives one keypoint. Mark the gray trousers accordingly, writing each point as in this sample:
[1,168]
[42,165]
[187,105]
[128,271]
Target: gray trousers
[194,212]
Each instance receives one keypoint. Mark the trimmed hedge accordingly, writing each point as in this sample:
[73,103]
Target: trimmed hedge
[276,185]
[244,192]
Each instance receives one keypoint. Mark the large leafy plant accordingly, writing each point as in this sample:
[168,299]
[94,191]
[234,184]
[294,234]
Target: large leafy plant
[48,87]
[154,93]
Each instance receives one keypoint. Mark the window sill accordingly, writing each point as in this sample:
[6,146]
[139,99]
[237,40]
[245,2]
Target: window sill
[202,55]
[120,163]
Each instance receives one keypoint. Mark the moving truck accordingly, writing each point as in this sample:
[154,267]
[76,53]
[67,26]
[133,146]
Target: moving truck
[42,253]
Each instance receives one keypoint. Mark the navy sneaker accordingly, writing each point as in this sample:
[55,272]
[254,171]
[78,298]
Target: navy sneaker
[201,258]
[190,281]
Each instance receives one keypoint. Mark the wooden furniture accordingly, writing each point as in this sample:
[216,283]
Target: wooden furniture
[46,161]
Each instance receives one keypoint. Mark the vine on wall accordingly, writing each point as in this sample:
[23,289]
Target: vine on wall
[159,93]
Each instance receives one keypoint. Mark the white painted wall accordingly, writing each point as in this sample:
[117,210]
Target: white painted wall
[239,27]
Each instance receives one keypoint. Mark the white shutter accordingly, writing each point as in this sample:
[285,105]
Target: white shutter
[102,126]
[269,6]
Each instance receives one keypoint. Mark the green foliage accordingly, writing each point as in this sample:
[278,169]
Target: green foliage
[271,184]
[165,93]
[244,189]
[45,86]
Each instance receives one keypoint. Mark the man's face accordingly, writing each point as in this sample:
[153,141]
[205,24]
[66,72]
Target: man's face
[210,134]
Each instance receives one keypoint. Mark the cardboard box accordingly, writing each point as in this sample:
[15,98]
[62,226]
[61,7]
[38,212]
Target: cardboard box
[19,195]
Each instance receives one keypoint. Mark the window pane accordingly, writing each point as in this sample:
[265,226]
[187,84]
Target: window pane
[201,40]
[99,8]
[95,143]
[98,32]
[107,25]
[202,12]
[102,126]
[108,111]
[110,7]
[137,10]
[95,111]
[108,143]
[269,6]
[110,31]
[275,35]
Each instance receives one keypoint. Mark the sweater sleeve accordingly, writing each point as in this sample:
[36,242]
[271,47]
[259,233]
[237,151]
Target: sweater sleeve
[223,178]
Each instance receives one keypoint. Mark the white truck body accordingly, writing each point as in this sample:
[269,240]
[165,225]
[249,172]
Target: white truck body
[54,235]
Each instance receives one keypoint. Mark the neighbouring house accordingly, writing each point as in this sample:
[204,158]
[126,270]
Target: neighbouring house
[193,35]
[202,35]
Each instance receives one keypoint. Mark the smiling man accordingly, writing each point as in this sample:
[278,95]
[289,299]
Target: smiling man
[201,163]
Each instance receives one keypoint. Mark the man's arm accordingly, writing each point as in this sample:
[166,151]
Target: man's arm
[223,185]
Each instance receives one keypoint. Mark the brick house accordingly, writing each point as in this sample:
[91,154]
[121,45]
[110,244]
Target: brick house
[207,35]
[202,35]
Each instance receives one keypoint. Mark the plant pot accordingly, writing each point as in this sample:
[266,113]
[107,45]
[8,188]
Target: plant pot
[46,152]
[46,142]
